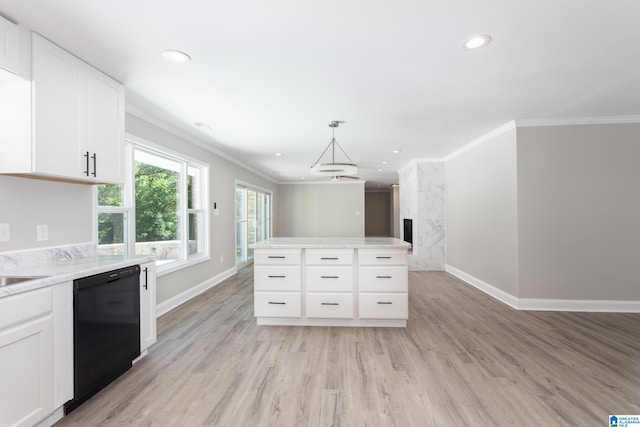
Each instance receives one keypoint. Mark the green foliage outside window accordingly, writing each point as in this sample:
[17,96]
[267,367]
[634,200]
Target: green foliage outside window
[156,203]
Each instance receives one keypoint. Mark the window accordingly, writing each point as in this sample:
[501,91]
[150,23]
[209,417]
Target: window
[161,210]
[253,220]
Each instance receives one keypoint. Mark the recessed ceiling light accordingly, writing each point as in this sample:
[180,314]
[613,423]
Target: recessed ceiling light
[385,163]
[278,154]
[379,170]
[396,151]
[176,56]
[477,41]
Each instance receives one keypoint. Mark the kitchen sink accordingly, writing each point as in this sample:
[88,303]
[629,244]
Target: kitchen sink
[12,280]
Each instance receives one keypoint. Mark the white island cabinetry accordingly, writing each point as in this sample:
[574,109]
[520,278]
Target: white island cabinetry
[277,283]
[331,281]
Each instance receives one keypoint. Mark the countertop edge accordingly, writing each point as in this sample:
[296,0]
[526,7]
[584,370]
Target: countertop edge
[55,272]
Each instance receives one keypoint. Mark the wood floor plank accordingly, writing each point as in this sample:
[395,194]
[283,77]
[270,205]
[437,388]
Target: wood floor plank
[463,359]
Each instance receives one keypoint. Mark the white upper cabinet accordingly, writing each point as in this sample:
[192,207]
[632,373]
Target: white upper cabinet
[72,127]
[9,46]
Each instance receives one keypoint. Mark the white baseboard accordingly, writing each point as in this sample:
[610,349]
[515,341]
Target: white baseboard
[541,304]
[175,301]
[491,290]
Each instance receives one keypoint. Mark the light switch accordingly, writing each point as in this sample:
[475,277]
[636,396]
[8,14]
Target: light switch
[43,232]
[5,232]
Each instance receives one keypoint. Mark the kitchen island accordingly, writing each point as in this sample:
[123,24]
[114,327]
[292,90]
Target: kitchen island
[331,281]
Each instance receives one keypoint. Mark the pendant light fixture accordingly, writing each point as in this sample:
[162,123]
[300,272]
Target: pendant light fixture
[333,168]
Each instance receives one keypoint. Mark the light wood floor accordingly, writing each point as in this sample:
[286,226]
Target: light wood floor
[464,360]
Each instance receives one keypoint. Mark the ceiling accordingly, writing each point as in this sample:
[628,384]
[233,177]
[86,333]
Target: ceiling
[268,76]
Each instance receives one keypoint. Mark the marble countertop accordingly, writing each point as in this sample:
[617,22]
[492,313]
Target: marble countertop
[65,270]
[331,243]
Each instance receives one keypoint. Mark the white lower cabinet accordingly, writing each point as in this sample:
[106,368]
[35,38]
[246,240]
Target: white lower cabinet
[383,306]
[62,343]
[383,279]
[329,305]
[331,287]
[26,358]
[277,304]
[148,335]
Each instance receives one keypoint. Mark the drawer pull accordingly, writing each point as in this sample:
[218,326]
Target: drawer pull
[383,277]
[383,257]
[276,257]
[329,303]
[276,277]
[329,277]
[385,302]
[277,303]
[329,258]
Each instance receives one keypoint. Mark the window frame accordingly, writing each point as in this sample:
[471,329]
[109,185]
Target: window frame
[133,143]
[268,220]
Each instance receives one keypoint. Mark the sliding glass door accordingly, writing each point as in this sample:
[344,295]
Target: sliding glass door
[253,220]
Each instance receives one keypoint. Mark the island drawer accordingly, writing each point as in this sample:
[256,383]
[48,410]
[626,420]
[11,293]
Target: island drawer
[277,278]
[329,279]
[382,257]
[329,257]
[383,279]
[277,304]
[277,256]
[329,306]
[383,306]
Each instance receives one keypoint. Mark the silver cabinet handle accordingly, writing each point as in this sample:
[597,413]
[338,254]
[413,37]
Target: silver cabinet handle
[276,257]
[329,258]
[385,302]
[383,277]
[329,277]
[383,257]
[276,277]
[277,303]
[329,303]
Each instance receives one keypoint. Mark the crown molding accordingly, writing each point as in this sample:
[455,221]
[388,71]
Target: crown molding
[576,121]
[141,114]
[481,140]
[325,182]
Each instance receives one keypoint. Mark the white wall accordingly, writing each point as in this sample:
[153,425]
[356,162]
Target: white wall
[66,209]
[327,209]
[482,219]
[579,212]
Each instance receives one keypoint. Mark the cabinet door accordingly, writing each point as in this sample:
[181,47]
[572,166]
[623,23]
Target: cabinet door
[59,111]
[147,305]
[105,109]
[26,369]
[9,46]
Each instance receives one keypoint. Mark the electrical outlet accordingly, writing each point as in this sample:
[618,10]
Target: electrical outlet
[5,232]
[43,232]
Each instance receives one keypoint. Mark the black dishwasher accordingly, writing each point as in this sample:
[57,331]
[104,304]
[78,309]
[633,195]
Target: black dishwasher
[106,330]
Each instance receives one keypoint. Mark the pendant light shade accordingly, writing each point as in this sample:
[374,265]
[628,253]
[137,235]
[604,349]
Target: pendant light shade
[330,167]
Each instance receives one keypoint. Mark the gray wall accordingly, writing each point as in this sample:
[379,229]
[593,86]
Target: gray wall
[378,210]
[223,175]
[327,209]
[579,212]
[482,232]
[65,208]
